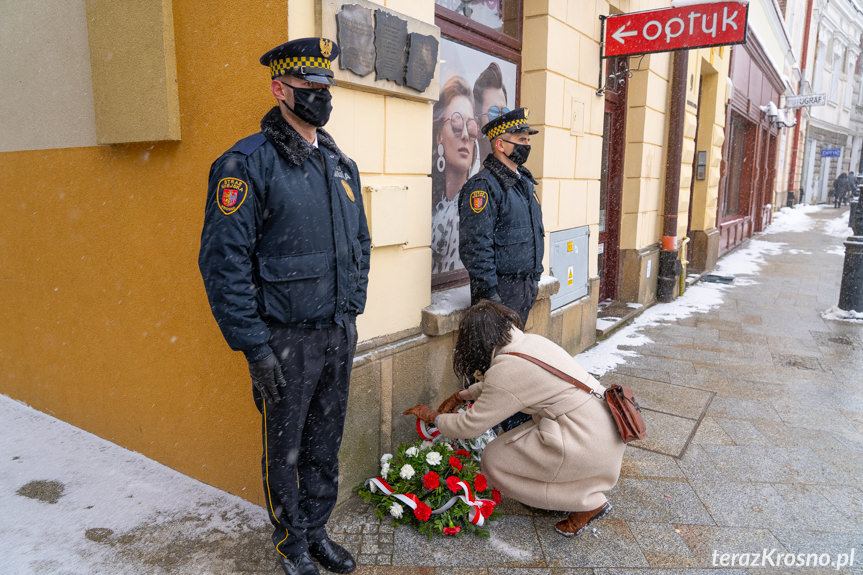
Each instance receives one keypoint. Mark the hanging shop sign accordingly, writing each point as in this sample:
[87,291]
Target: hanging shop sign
[682,28]
[805,100]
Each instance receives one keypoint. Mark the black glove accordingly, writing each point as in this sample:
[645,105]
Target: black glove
[267,377]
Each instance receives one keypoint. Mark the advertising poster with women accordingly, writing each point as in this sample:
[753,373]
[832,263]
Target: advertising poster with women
[475,87]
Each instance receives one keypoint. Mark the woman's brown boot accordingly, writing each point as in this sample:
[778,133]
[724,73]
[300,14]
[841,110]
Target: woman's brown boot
[578,520]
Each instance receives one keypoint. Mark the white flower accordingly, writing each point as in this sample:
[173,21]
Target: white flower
[396,510]
[406,472]
[386,457]
[448,446]
[412,451]
[426,444]
[433,458]
[385,468]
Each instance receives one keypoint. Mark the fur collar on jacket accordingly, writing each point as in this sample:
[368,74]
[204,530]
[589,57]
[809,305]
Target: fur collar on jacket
[290,144]
[505,176]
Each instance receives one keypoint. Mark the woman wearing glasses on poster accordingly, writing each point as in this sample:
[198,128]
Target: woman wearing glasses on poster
[455,132]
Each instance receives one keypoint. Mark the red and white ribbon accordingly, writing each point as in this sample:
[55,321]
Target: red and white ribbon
[426,431]
[475,515]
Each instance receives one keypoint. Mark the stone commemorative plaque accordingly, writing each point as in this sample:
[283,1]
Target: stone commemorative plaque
[356,35]
[391,38]
[422,59]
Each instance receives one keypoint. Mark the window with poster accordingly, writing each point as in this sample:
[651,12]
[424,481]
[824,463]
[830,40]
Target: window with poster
[480,59]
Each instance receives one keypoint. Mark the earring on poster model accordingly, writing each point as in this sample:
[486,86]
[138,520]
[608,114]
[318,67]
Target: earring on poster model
[441,161]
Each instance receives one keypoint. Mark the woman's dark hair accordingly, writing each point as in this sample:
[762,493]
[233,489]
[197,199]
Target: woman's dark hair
[484,327]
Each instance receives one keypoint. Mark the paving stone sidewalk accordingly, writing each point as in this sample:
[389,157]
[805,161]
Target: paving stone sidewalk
[755,411]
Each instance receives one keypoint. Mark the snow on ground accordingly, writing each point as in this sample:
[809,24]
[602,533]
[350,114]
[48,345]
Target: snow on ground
[838,227]
[743,263]
[842,315]
[794,219]
[68,497]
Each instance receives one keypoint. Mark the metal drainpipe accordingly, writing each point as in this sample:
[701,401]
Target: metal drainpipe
[669,264]
[796,143]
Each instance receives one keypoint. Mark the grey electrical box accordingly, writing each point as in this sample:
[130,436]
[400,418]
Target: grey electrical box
[569,264]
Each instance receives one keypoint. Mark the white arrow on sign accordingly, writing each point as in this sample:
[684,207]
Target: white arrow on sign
[620,34]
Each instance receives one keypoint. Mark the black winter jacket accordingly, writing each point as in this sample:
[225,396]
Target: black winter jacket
[500,227]
[285,239]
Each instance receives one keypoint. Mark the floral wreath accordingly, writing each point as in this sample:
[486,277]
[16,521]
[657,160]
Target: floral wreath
[442,485]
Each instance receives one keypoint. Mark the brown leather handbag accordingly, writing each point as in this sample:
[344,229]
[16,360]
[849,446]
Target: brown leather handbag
[622,405]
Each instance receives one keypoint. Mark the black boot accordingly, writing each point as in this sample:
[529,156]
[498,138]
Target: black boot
[300,565]
[332,556]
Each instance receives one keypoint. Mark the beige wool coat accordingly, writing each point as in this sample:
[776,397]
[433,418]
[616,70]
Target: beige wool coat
[568,455]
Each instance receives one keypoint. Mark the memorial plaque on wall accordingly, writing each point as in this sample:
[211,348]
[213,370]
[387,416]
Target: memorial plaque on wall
[393,45]
[356,35]
[391,39]
[422,59]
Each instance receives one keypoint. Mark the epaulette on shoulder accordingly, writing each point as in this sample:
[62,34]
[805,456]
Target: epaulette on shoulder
[248,145]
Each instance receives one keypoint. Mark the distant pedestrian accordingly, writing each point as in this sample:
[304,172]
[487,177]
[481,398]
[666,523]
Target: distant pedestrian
[840,188]
[851,196]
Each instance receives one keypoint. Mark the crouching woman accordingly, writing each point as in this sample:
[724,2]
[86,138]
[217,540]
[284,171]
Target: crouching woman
[568,454]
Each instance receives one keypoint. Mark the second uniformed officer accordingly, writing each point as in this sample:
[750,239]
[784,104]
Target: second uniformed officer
[500,220]
[285,262]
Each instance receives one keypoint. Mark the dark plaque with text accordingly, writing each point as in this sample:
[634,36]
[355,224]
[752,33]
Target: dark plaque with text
[422,59]
[391,38]
[356,39]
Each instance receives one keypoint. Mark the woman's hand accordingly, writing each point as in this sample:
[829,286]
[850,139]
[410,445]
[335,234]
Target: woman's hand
[451,403]
[423,412]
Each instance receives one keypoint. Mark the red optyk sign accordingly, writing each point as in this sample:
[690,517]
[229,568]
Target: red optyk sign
[681,28]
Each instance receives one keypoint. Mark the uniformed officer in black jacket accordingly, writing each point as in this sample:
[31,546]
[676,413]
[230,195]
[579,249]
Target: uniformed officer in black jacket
[285,262]
[500,220]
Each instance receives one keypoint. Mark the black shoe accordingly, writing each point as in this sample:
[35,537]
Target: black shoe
[301,565]
[332,556]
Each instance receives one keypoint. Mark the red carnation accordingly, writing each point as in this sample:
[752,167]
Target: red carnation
[453,483]
[480,483]
[487,509]
[423,511]
[431,480]
[451,530]
[462,453]
[455,462]
[495,496]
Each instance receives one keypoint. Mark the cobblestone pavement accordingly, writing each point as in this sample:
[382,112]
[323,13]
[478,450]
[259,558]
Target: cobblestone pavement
[755,413]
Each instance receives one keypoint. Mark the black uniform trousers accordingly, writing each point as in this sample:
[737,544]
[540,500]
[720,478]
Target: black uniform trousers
[303,432]
[518,294]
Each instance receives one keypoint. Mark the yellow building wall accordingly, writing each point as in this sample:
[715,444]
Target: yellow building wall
[107,322]
[560,69]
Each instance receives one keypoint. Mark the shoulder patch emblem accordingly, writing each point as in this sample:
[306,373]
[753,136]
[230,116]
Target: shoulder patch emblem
[348,191]
[231,193]
[478,200]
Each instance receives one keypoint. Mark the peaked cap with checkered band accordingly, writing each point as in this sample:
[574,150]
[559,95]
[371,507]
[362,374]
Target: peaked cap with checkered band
[513,122]
[306,58]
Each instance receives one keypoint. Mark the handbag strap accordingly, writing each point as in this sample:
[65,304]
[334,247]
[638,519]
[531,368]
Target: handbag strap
[564,376]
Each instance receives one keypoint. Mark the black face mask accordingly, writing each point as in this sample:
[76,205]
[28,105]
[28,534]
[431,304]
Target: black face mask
[312,105]
[520,152]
